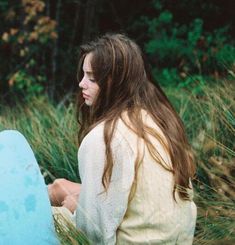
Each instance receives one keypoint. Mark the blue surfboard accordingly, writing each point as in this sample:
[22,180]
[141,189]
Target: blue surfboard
[25,210]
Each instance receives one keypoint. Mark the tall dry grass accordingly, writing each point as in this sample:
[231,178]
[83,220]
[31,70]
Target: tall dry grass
[210,124]
[51,132]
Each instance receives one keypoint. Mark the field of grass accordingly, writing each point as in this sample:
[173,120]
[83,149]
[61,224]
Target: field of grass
[210,124]
[209,119]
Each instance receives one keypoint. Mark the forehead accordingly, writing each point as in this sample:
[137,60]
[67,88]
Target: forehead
[87,63]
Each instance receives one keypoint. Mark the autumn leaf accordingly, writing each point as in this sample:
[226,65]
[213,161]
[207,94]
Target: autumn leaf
[5,37]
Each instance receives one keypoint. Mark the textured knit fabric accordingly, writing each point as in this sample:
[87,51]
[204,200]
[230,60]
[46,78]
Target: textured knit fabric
[152,216]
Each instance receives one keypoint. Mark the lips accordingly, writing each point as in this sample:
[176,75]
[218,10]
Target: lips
[85,96]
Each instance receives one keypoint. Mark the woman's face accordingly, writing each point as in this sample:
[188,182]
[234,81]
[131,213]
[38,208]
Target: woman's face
[88,85]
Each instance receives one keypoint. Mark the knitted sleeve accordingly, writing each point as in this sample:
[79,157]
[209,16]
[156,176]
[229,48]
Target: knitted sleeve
[100,213]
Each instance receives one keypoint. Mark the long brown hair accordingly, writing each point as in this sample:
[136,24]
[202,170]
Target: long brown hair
[126,84]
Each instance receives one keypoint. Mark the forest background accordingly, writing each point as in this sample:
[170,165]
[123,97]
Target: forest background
[191,51]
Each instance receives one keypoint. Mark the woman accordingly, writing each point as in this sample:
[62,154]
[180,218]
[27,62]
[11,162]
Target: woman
[134,159]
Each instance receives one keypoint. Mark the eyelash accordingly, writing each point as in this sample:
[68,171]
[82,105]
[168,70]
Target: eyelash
[92,80]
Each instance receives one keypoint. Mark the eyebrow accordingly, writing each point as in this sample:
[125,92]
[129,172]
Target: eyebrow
[87,72]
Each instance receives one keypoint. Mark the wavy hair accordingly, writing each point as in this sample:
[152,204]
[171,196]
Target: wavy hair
[125,83]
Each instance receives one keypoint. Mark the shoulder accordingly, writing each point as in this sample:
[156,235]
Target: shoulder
[96,137]
[94,140]
[95,134]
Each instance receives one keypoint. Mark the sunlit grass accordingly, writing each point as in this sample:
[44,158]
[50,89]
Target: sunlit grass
[209,118]
[68,233]
[51,132]
[210,124]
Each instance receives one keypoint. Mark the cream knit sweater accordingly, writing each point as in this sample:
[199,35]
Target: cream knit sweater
[152,216]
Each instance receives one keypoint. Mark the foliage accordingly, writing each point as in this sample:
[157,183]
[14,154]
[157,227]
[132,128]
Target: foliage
[39,40]
[179,51]
[209,119]
[26,41]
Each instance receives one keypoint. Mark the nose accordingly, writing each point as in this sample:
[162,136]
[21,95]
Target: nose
[83,84]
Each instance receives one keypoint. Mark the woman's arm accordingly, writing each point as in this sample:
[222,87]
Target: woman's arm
[100,213]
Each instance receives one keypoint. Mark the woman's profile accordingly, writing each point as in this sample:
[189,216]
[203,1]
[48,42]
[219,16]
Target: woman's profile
[134,159]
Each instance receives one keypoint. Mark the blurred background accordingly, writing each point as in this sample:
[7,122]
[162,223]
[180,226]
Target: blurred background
[185,41]
[191,51]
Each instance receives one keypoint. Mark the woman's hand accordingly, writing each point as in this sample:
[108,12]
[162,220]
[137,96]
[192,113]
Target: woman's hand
[70,202]
[60,189]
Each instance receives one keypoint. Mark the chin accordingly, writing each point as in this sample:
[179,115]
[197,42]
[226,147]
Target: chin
[88,102]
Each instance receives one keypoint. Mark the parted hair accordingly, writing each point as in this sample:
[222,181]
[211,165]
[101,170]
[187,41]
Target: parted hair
[126,84]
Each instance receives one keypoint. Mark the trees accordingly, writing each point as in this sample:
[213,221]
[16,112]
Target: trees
[39,39]
[26,43]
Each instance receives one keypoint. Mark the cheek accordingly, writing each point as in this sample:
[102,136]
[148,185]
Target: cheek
[95,89]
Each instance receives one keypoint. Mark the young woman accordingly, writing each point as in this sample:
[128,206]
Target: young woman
[134,159]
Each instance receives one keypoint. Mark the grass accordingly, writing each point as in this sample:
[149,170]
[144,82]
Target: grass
[68,233]
[210,124]
[51,132]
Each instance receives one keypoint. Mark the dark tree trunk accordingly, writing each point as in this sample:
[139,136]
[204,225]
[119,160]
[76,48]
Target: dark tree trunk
[75,27]
[55,52]
[89,19]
